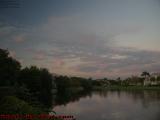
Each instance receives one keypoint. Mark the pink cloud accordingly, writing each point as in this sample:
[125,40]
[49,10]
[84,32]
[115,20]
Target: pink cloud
[39,56]
[58,63]
[19,38]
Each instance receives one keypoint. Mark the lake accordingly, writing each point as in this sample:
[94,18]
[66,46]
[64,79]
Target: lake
[114,105]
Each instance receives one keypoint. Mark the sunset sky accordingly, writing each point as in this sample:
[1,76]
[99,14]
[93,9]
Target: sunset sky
[87,38]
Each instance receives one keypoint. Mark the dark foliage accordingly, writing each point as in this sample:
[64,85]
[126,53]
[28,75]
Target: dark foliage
[9,69]
[39,82]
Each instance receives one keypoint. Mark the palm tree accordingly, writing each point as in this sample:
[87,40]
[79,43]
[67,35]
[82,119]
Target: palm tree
[145,74]
[146,80]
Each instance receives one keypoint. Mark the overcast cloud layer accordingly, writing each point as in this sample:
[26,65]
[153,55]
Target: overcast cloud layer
[104,38]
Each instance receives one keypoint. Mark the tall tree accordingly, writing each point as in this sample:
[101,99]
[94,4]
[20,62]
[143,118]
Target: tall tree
[38,81]
[9,68]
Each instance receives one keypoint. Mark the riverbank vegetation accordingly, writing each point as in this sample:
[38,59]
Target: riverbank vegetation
[35,90]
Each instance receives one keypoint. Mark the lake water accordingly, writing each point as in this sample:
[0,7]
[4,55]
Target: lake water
[114,105]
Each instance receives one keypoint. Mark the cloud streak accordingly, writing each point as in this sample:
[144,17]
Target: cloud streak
[112,41]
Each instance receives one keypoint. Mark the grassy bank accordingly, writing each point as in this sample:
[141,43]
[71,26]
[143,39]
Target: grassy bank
[127,88]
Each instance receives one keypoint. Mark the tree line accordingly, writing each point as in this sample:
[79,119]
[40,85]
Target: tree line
[23,90]
[33,86]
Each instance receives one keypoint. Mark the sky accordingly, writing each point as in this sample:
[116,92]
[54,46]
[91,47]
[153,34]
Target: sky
[86,38]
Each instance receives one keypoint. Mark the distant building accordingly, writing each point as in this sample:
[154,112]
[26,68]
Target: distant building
[147,81]
[155,75]
[152,79]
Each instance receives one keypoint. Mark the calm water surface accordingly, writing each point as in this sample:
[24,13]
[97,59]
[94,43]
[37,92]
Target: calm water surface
[114,105]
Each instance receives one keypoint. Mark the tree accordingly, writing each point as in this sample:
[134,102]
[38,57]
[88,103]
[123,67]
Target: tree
[46,87]
[38,81]
[9,69]
[145,74]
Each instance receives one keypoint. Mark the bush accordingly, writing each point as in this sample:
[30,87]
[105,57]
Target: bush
[13,105]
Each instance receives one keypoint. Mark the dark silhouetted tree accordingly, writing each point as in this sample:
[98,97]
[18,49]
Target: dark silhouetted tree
[9,69]
[145,74]
[38,81]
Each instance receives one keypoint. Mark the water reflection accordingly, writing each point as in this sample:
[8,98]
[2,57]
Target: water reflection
[69,97]
[112,105]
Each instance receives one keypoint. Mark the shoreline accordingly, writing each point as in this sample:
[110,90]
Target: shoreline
[127,88]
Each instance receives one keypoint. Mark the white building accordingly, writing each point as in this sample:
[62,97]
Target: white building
[155,75]
[152,79]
